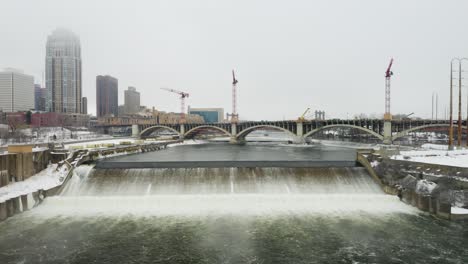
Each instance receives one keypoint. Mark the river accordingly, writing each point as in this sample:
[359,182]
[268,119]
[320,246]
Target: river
[229,215]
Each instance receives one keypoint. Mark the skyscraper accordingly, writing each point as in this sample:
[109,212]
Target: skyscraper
[63,72]
[40,95]
[107,96]
[84,105]
[132,100]
[16,91]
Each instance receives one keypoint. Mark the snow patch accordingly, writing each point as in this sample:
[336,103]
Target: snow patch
[45,179]
[458,210]
[457,158]
[425,186]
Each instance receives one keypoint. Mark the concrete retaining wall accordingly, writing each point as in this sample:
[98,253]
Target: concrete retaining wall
[424,202]
[20,166]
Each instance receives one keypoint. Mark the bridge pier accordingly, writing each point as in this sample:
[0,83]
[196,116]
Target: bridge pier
[299,129]
[387,135]
[135,131]
[233,139]
[182,131]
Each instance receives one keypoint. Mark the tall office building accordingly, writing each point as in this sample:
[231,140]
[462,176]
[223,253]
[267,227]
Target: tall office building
[40,95]
[63,72]
[132,100]
[107,96]
[16,91]
[84,105]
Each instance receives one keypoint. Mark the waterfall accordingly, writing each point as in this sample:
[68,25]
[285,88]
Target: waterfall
[188,191]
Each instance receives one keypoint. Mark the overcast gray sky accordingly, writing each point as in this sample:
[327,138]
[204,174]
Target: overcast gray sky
[289,55]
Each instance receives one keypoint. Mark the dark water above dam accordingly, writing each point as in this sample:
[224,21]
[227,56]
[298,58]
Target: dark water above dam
[223,155]
[228,215]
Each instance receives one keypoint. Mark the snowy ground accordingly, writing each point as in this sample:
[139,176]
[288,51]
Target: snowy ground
[45,179]
[441,156]
[115,141]
[46,135]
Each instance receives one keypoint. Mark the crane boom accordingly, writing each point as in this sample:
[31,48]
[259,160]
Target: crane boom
[183,95]
[176,91]
[389,72]
[302,117]
[234,80]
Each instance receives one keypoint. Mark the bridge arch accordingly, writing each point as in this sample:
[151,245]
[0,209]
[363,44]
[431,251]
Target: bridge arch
[207,127]
[245,132]
[149,130]
[407,131]
[375,134]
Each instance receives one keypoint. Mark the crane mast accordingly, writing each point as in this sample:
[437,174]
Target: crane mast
[234,115]
[388,75]
[183,95]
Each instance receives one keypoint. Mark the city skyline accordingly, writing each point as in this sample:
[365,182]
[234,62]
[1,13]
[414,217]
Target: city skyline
[292,56]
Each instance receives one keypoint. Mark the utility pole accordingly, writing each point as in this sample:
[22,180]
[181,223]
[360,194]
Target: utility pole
[432,107]
[450,143]
[459,135]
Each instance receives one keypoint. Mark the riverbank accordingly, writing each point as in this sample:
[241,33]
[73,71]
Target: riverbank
[439,189]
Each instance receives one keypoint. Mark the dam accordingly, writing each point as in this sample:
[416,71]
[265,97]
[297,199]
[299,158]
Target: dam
[262,210]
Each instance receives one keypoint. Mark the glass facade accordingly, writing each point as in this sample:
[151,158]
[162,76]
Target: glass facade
[208,116]
[63,72]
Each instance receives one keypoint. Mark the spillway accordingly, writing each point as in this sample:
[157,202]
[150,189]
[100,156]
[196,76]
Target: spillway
[192,191]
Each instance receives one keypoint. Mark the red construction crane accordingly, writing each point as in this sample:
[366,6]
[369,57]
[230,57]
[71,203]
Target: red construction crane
[234,115]
[183,95]
[388,74]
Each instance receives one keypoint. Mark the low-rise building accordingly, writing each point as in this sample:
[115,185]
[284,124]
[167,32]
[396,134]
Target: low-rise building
[210,115]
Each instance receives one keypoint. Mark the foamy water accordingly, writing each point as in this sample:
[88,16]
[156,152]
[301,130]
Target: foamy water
[255,191]
[221,204]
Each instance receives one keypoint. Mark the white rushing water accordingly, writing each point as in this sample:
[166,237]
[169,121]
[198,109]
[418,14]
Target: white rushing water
[147,192]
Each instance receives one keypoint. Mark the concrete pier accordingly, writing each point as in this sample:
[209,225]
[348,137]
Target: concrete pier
[16,205]
[10,209]
[3,211]
[135,131]
[24,202]
[387,136]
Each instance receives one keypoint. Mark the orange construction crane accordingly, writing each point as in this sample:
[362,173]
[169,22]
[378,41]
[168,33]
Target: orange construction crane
[183,95]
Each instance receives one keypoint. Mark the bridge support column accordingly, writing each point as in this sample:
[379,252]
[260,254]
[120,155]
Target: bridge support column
[182,130]
[135,131]
[299,133]
[387,135]
[233,139]
[299,129]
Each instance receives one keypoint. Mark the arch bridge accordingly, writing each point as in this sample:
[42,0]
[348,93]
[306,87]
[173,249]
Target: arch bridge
[385,131]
